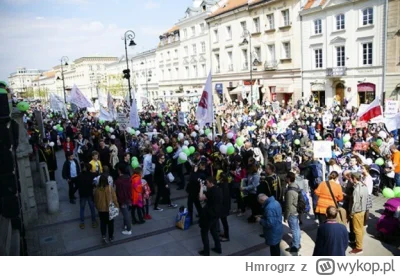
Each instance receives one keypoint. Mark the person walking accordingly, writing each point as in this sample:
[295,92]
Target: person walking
[332,237]
[104,194]
[358,208]
[70,172]
[84,184]
[291,214]
[197,176]
[271,221]
[250,191]
[124,196]
[226,206]
[210,216]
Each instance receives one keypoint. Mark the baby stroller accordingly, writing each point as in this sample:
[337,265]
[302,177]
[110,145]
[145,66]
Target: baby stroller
[375,172]
[388,223]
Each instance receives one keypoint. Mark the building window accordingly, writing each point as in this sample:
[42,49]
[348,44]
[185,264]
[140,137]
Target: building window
[203,69]
[202,27]
[217,63]
[230,63]
[194,49]
[340,24]
[256,23]
[193,31]
[187,71]
[286,18]
[195,73]
[318,58]
[271,52]
[176,53]
[176,73]
[367,53]
[162,56]
[318,26]
[186,51]
[271,21]
[243,24]
[162,74]
[185,33]
[228,33]
[340,56]
[368,16]
[257,54]
[203,47]
[168,55]
[286,50]
[216,36]
[169,74]
[244,58]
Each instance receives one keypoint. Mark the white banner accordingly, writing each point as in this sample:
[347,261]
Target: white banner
[105,115]
[322,149]
[79,99]
[56,102]
[134,119]
[392,123]
[391,107]
[110,105]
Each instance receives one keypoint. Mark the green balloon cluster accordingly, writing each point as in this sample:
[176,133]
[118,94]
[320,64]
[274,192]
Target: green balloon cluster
[388,193]
[186,151]
[379,161]
[23,106]
[231,150]
[169,149]
[240,141]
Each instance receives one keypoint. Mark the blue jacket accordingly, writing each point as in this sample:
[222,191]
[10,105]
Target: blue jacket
[272,221]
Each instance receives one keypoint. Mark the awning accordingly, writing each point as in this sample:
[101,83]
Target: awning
[366,87]
[246,88]
[283,89]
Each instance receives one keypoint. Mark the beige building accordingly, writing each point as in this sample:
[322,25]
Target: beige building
[21,80]
[392,84]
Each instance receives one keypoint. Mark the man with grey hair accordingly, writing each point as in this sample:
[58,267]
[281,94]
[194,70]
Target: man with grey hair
[271,222]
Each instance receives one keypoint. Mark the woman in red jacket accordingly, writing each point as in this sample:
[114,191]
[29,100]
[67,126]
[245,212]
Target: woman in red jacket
[68,146]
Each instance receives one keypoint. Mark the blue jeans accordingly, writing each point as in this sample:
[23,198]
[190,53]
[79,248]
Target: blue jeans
[397,179]
[295,227]
[90,202]
[125,210]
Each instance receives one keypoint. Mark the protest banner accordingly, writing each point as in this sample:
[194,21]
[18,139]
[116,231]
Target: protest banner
[391,107]
[181,118]
[361,124]
[79,99]
[123,120]
[322,149]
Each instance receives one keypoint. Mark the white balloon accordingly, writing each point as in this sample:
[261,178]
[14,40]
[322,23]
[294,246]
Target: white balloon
[186,143]
[229,144]
[196,127]
[180,135]
[183,156]
[54,127]
[382,134]
[230,135]
[111,130]
[137,132]
[274,125]
[308,123]
[201,132]
[223,149]
[368,161]
[51,144]
[185,146]
[209,136]
[128,129]
[313,124]
[347,144]
[194,134]
[112,137]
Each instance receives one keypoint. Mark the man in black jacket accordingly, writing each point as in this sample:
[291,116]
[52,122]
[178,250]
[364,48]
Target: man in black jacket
[70,172]
[197,176]
[84,184]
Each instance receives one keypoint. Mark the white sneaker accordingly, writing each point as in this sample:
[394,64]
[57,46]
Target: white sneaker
[126,232]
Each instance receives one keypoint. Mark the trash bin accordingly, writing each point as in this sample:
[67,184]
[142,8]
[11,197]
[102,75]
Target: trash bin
[44,174]
[53,202]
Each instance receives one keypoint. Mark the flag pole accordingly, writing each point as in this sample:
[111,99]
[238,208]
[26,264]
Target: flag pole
[212,89]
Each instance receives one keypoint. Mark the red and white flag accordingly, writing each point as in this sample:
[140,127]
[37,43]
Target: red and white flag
[373,110]
[205,110]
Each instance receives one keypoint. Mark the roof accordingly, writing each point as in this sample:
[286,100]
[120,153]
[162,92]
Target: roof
[229,6]
[313,3]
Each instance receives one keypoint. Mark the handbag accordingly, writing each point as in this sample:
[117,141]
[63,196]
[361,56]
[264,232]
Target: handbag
[113,211]
[342,213]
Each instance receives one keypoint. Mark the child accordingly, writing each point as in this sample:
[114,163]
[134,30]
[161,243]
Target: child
[137,196]
[96,164]
[146,199]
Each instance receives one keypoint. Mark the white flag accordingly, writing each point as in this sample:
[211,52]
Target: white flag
[102,99]
[134,119]
[205,110]
[110,105]
[105,115]
[79,99]
[56,102]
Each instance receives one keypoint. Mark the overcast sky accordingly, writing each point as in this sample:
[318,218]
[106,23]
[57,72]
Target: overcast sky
[36,33]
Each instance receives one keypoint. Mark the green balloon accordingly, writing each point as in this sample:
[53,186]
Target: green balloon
[186,151]
[60,129]
[134,158]
[169,149]
[297,142]
[180,161]
[379,142]
[107,128]
[71,115]
[207,131]
[3,91]
[23,106]
[231,150]
[143,123]
[148,124]
[163,124]
[379,161]
[192,150]
[101,122]
[133,131]
[388,193]
[396,191]
[51,115]
[135,164]
[160,115]
[240,141]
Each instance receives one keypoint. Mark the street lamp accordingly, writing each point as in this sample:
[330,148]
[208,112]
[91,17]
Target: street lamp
[147,78]
[129,35]
[64,60]
[247,34]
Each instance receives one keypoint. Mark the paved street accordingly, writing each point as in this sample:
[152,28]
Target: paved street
[60,234]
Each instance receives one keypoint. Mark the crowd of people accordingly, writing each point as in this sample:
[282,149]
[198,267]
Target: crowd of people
[257,158]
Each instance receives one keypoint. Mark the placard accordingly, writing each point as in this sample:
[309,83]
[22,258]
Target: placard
[362,146]
[181,118]
[322,149]
[361,124]
[391,107]
[123,120]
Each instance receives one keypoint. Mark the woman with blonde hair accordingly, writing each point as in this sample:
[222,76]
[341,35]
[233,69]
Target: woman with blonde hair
[324,193]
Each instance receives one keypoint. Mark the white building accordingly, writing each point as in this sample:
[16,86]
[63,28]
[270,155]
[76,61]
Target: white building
[45,84]
[342,49]
[21,80]
[254,44]
[183,53]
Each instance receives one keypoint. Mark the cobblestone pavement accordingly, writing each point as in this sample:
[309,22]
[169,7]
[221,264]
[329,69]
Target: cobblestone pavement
[59,234]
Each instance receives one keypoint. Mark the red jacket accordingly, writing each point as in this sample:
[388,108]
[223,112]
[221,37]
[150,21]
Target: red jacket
[69,145]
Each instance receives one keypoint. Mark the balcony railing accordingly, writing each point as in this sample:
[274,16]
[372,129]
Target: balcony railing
[230,67]
[270,65]
[336,71]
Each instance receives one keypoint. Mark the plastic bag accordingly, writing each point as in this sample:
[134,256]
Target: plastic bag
[183,220]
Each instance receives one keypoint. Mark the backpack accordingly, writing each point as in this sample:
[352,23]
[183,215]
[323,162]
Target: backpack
[303,204]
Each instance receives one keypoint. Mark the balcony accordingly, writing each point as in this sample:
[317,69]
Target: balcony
[256,31]
[336,72]
[270,65]
[230,68]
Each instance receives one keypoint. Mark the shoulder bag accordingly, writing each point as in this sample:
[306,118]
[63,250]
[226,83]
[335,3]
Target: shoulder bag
[112,210]
[342,213]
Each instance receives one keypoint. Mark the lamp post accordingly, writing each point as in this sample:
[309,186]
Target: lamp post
[129,35]
[147,78]
[247,34]
[64,60]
